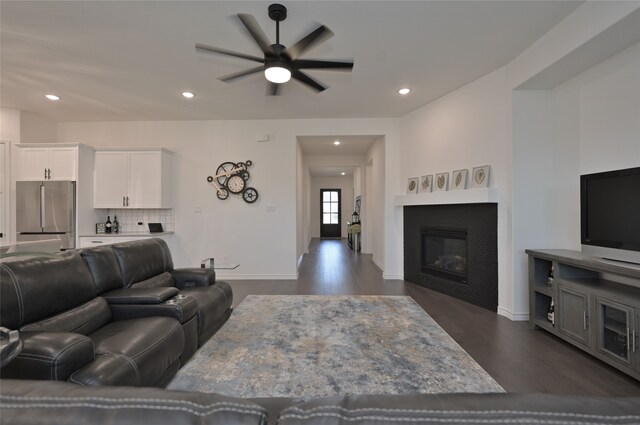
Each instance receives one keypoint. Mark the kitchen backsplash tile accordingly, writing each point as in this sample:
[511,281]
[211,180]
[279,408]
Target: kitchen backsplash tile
[128,219]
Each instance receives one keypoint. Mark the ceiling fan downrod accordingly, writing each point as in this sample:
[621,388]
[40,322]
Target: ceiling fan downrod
[277,12]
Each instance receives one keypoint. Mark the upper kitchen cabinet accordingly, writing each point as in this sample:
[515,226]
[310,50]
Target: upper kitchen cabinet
[49,161]
[132,179]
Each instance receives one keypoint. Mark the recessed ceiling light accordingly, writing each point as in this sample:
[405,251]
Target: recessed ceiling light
[343,173]
[52,97]
[188,94]
[336,142]
[404,90]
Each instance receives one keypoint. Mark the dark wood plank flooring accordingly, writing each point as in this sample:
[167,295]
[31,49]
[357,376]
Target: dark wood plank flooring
[520,359]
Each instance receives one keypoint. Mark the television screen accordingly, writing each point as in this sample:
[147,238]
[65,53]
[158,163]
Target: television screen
[610,208]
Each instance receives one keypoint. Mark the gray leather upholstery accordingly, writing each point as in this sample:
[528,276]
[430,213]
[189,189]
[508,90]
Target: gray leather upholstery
[32,402]
[52,301]
[147,264]
[61,282]
[29,403]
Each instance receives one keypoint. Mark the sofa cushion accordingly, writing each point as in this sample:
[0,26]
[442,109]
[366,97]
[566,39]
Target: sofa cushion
[62,282]
[84,319]
[50,355]
[213,304]
[158,281]
[141,260]
[33,402]
[463,408]
[151,344]
[104,268]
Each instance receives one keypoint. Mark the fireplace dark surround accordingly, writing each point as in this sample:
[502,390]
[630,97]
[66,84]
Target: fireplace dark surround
[453,249]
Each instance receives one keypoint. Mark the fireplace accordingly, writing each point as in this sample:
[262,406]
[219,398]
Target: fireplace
[444,253]
[453,249]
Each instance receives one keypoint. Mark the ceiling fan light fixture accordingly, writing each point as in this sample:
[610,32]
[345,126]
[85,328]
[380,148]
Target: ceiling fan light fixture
[277,72]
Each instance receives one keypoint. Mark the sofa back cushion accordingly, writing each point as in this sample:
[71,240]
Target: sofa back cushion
[104,268]
[84,319]
[142,260]
[35,288]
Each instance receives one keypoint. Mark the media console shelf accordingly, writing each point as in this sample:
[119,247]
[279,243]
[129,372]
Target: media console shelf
[596,305]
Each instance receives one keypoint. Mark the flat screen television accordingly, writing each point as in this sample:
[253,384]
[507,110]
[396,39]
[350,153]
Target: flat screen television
[610,214]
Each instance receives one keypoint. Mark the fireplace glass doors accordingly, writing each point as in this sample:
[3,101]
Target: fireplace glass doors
[444,253]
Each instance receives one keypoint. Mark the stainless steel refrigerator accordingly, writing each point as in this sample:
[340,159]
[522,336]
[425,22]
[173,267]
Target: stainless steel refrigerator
[46,210]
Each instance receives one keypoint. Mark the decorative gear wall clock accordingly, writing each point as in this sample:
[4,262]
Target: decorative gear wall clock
[232,177]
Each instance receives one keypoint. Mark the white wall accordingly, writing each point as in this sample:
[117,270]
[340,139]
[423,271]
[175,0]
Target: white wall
[345,184]
[465,129]
[301,245]
[596,128]
[376,225]
[10,125]
[35,128]
[263,243]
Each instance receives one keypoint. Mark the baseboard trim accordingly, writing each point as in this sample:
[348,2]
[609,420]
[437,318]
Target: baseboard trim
[392,276]
[515,317]
[376,263]
[220,276]
[300,260]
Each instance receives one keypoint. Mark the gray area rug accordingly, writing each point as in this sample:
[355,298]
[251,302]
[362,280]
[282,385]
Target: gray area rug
[316,346]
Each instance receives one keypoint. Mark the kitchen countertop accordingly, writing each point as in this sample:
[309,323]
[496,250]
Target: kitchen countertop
[123,235]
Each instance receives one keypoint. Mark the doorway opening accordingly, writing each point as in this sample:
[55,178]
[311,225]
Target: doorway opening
[330,217]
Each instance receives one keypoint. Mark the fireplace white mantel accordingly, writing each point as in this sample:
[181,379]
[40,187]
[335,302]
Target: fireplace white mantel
[467,196]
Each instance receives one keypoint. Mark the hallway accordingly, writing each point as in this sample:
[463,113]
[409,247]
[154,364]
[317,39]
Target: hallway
[520,359]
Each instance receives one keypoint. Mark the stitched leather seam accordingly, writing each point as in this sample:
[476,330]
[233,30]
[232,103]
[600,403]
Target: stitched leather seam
[54,362]
[136,406]
[428,416]
[223,293]
[176,326]
[14,280]
[130,400]
[133,363]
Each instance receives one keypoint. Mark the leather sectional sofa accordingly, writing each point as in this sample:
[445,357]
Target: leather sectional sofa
[35,403]
[111,315]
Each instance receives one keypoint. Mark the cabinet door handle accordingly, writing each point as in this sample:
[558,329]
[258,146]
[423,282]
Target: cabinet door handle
[127,201]
[49,173]
[123,203]
[584,320]
[633,341]
[45,173]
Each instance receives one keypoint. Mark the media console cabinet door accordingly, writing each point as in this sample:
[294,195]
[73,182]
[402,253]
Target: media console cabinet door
[573,314]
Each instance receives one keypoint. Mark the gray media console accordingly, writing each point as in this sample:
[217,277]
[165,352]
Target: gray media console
[596,304]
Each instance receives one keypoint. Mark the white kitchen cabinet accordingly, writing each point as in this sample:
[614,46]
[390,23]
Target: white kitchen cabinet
[132,179]
[89,241]
[97,240]
[48,163]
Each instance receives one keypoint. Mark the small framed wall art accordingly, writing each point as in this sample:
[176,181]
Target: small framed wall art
[442,182]
[480,177]
[426,183]
[412,185]
[459,181]
[100,228]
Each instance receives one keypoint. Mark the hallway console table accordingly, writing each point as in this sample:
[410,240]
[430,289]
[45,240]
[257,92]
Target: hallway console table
[596,304]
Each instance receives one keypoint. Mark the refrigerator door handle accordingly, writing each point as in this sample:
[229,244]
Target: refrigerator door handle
[42,201]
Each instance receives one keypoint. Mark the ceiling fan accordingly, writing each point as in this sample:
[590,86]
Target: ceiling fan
[281,63]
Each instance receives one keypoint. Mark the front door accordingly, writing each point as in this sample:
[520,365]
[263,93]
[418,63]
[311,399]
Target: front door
[330,213]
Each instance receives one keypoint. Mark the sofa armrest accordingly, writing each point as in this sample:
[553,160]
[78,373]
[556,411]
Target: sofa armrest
[50,356]
[140,295]
[193,277]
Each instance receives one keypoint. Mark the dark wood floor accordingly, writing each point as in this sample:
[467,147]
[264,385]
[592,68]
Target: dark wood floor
[520,359]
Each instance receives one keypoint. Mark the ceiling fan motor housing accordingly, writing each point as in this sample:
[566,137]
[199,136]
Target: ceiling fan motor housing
[277,12]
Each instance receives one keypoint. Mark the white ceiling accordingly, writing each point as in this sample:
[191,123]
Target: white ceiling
[129,60]
[324,145]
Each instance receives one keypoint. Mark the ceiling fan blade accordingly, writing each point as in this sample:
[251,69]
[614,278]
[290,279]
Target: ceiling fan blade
[305,79]
[244,73]
[309,41]
[319,64]
[255,31]
[213,49]
[272,89]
